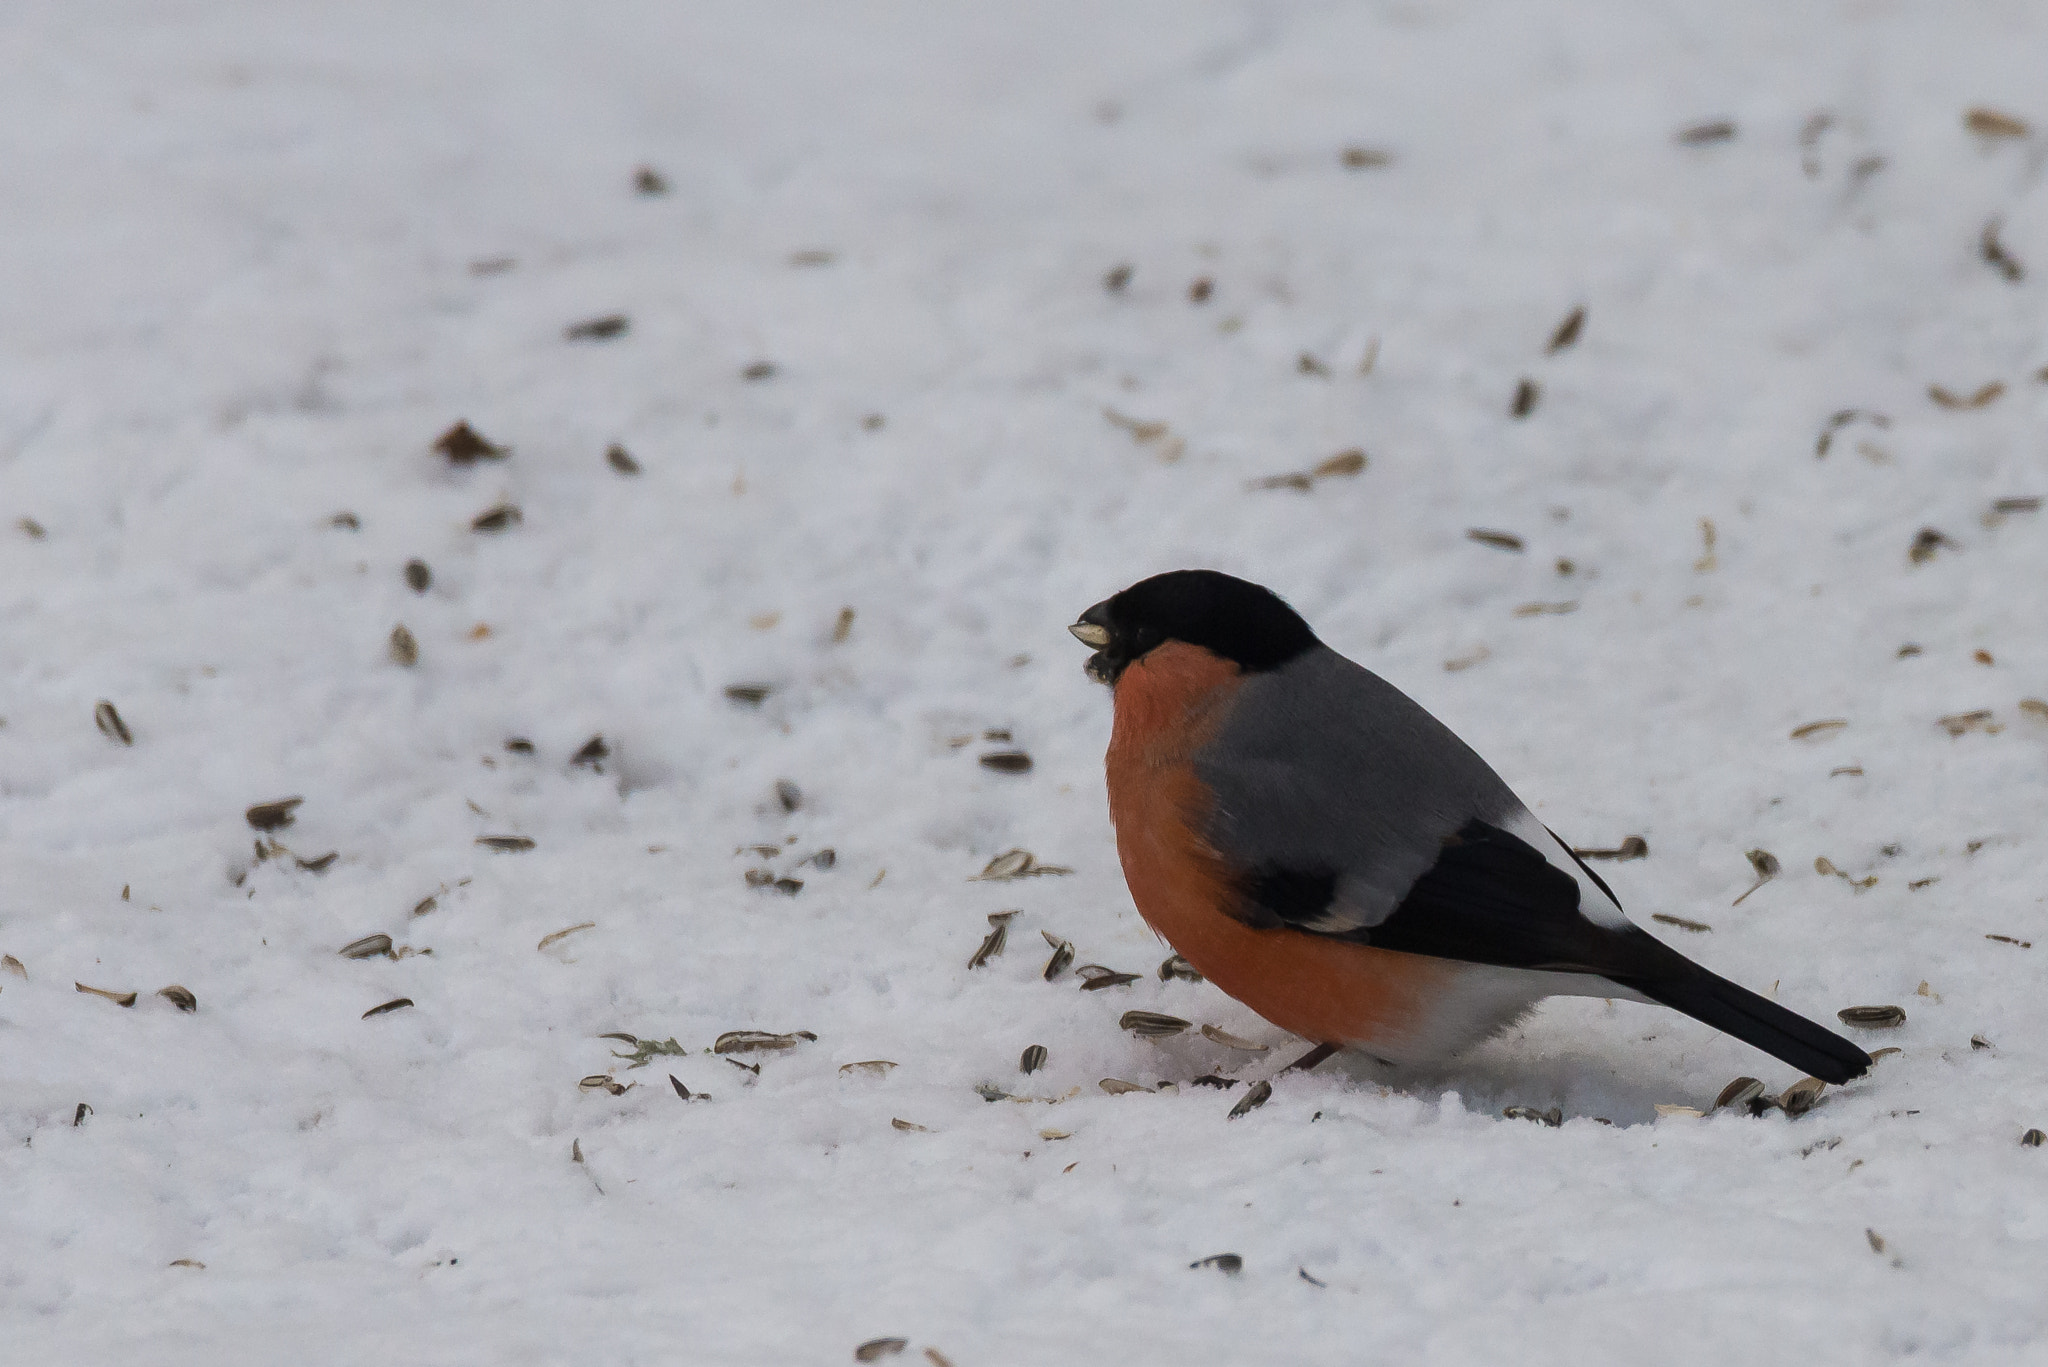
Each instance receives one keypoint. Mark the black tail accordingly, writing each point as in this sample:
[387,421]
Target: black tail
[1742,1013]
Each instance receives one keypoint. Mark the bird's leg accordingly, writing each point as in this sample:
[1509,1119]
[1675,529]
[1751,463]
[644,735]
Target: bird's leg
[1311,1058]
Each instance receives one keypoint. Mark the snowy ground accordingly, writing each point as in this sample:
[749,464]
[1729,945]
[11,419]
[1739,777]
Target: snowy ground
[257,257]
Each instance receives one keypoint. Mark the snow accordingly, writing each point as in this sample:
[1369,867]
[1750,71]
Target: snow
[242,298]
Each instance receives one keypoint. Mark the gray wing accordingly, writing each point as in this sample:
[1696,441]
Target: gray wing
[1335,793]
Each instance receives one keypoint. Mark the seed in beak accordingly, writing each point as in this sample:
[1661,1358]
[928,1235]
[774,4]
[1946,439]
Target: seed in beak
[1090,634]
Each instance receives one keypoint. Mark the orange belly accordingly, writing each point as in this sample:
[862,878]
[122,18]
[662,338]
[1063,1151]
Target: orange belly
[1167,705]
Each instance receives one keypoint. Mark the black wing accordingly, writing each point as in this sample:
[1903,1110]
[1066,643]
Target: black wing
[1492,898]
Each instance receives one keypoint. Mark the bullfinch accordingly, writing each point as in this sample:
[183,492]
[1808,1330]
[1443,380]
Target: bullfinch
[1328,853]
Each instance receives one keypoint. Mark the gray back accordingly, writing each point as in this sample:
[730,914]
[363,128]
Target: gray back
[1322,765]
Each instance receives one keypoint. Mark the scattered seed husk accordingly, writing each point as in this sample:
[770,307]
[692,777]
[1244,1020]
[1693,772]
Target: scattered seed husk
[988,1091]
[110,724]
[1885,1052]
[1700,134]
[1506,541]
[1665,1109]
[1546,609]
[1631,847]
[2034,1139]
[1217,1035]
[273,816]
[1062,955]
[1996,256]
[1116,1086]
[601,1082]
[902,1124]
[118,998]
[187,1262]
[748,694]
[564,933]
[2010,940]
[1258,1096]
[598,329]
[496,518]
[426,904]
[369,947]
[1358,158]
[1851,770]
[403,647]
[759,370]
[1567,331]
[1814,729]
[519,745]
[346,520]
[1738,1094]
[648,181]
[1099,977]
[760,878]
[684,1092]
[842,626]
[10,964]
[1223,1262]
[1991,123]
[753,1068]
[620,459]
[1981,397]
[1117,277]
[1213,1080]
[1152,1024]
[1012,864]
[1173,966]
[2028,504]
[751,1041]
[1826,867]
[78,1116]
[1553,1117]
[1925,543]
[1007,761]
[788,795]
[875,1349]
[1979,1042]
[1960,722]
[180,997]
[593,754]
[873,1067]
[511,844]
[395,1004]
[463,445]
[1696,927]
[993,944]
[1032,1059]
[1294,479]
[1308,363]
[419,577]
[1872,1017]
[1527,392]
[31,528]
[823,859]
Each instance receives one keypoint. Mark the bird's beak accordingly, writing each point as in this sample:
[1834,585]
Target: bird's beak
[1093,631]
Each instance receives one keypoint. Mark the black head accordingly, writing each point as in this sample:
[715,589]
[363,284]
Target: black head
[1228,617]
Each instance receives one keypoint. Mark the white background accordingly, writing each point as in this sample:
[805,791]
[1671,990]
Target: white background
[237,247]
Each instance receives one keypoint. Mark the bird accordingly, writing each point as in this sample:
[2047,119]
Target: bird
[1321,848]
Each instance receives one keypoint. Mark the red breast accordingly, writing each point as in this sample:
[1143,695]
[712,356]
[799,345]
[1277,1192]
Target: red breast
[1169,703]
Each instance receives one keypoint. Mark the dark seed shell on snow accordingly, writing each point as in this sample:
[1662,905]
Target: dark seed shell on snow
[369,947]
[1872,1017]
[1033,1059]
